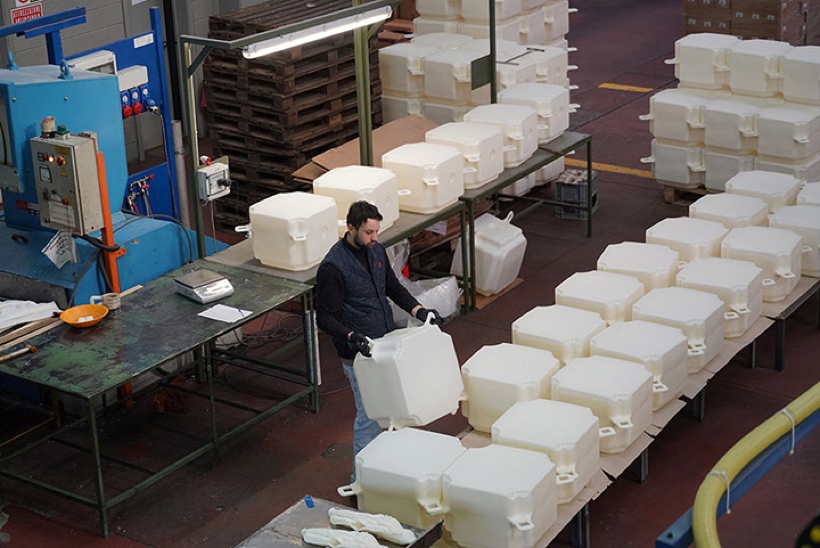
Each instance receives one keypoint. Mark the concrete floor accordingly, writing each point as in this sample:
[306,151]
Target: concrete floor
[266,469]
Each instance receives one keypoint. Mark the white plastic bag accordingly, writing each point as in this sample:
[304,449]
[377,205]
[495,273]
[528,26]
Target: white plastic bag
[440,294]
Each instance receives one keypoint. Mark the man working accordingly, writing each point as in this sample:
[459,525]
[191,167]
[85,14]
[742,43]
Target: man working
[353,284]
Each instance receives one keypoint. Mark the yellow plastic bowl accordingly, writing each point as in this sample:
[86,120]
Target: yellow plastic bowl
[84,315]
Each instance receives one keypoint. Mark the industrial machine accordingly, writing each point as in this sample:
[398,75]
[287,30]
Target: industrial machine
[54,119]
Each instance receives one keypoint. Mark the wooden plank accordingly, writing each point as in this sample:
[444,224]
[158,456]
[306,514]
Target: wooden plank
[682,196]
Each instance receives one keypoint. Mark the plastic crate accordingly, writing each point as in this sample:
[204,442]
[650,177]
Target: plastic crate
[571,188]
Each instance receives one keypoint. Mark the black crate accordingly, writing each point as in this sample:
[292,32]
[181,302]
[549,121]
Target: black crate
[571,188]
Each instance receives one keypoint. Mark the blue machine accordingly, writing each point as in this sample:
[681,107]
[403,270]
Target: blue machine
[82,101]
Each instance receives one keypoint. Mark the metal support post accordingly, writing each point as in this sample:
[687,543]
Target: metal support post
[642,466]
[102,511]
[699,405]
[580,528]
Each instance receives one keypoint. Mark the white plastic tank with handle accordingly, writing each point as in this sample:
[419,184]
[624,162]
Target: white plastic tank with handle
[697,313]
[569,435]
[431,176]
[399,474]
[556,19]
[293,230]
[350,184]
[394,107]
[481,144]
[499,497]
[679,166]
[401,68]
[551,64]
[800,67]
[789,131]
[691,238]
[618,392]
[654,265]
[440,40]
[533,27]
[722,166]
[412,377]
[805,170]
[809,195]
[609,294]
[499,253]
[677,115]
[805,221]
[519,124]
[562,330]
[730,123]
[776,189]
[732,210]
[550,102]
[779,252]
[448,76]
[442,113]
[513,67]
[497,376]
[739,284]
[701,60]
[754,67]
[662,349]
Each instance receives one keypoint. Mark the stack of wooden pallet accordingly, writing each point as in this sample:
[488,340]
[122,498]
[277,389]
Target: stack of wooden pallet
[272,114]
[793,21]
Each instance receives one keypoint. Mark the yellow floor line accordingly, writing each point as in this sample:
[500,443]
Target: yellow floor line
[621,87]
[610,168]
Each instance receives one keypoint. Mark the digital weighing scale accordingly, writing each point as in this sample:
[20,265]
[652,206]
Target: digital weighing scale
[203,286]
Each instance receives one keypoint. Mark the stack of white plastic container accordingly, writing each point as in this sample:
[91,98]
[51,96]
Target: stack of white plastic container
[741,106]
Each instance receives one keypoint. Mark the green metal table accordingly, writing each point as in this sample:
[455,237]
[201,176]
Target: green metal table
[546,154]
[154,326]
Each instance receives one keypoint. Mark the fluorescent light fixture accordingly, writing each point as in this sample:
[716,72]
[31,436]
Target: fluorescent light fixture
[344,24]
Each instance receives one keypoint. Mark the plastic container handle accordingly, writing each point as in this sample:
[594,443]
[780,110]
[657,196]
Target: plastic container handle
[405,192]
[572,67]
[696,125]
[767,282]
[658,387]
[785,274]
[606,432]
[524,524]
[648,160]
[509,218]
[749,133]
[646,117]
[347,490]
[670,61]
[242,228]
[572,50]
[434,507]
[807,249]
[696,352]
[727,316]
[624,424]
[431,182]
[566,477]
[300,238]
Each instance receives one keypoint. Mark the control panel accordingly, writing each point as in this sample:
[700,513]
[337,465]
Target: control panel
[65,176]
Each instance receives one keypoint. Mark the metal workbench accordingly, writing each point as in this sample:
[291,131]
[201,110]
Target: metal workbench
[154,326]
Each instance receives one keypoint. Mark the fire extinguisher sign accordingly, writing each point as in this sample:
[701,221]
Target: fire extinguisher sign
[26,9]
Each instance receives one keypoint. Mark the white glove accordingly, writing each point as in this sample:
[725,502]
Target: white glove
[336,538]
[386,527]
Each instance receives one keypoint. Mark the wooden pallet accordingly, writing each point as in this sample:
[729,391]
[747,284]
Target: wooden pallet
[682,196]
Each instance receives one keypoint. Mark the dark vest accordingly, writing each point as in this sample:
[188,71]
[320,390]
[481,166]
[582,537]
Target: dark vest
[365,308]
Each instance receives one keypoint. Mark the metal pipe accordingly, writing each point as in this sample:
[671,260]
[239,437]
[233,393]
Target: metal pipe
[181,172]
[193,143]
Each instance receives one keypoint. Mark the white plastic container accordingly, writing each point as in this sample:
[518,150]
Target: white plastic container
[293,230]
[701,60]
[776,250]
[720,167]
[505,29]
[534,29]
[399,474]
[610,295]
[729,123]
[440,40]
[731,210]
[401,68]
[551,64]
[805,170]
[394,107]
[677,115]
[499,497]
[350,184]
[412,377]
[567,433]
[515,66]
[691,238]
[481,144]
[618,392]
[442,9]
[519,124]
[662,349]
[550,172]
[441,113]
[679,166]
[809,195]
[498,376]
[549,101]
[448,75]
[556,19]
[654,265]
[521,187]
[431,25]
[800,68]
[697,313]
[754,67]
[805,221]
[562,330]
[776,189]
[472,10]
[433,174]
[499,253]
[739,284]
[789,131]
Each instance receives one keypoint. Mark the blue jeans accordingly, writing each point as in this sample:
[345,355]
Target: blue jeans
[365,429]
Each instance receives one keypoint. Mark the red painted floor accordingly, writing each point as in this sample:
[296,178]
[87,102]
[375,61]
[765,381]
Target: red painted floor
[266,469]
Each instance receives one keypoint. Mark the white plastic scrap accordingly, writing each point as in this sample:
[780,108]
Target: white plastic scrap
[386,527]
[336,538]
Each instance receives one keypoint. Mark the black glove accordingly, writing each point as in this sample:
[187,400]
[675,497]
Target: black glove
[422,314]
[360,343]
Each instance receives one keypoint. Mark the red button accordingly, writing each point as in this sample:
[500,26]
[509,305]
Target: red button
[65,201]
[138,108]
[127,111]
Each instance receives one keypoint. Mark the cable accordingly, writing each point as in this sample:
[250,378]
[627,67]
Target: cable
[162,216]
[96,242]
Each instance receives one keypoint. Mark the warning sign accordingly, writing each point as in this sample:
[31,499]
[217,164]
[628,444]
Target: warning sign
[19,15]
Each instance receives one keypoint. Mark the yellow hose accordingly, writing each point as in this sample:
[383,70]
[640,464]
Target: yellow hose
[704,522]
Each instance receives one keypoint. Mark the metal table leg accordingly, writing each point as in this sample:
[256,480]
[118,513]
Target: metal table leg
[466,280]
[102,511]
[779,343]
[589,188]
[642,466]
[580,528]
[471,242]
[699,405]
[210,373]
[753,354]
[311,344]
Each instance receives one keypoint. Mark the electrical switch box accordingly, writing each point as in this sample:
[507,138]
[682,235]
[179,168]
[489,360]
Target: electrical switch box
[213,180]
[65,176]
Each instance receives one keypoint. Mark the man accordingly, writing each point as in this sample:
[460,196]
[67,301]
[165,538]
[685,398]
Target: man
[353,284]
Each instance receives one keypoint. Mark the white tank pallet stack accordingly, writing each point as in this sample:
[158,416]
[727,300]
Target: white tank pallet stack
[654,265]
[562,330]
[481,144]
[519,124]
[431,176]
[618,392]
[568,434]
[805,221]
[663,350]
[498,376]
[691,238]
[731,210]
[776,189]
[609,294]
